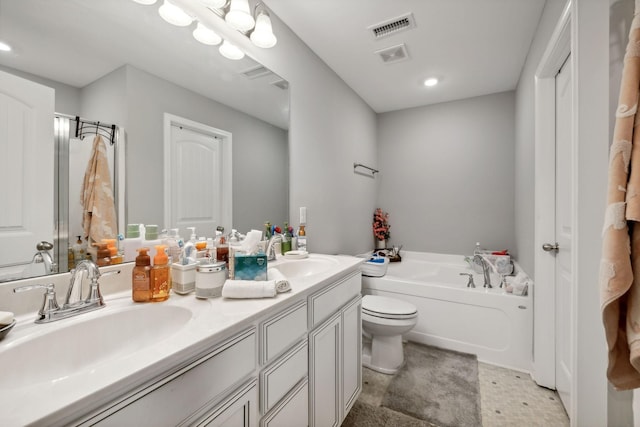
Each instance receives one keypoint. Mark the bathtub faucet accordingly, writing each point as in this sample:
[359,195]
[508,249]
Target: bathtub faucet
[479,260]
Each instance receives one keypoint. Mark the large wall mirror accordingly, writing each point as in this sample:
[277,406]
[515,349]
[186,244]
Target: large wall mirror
[118,62]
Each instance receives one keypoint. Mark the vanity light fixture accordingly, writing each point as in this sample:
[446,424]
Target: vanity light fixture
[146,2]
[230,51]
[239,16]
[4,47]
[214,4]
[430,82]
[205,35]
[174,15]
[262,35]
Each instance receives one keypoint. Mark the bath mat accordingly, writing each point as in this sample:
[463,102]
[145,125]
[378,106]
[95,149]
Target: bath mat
[436,385]
[365,415]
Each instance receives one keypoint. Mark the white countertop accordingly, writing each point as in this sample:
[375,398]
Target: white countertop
[64,399]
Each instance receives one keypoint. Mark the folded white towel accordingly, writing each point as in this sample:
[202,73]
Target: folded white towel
[282,284]
[249,289]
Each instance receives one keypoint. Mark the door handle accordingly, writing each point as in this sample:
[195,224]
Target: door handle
[548,247]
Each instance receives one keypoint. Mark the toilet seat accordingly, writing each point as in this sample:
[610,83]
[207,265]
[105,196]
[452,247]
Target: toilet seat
[388,308]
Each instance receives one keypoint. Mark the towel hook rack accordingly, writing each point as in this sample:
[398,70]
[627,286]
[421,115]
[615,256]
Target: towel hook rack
[86,127]
[371,170]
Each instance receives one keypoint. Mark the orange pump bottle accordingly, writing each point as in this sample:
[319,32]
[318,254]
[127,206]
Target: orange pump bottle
[160,275]
[141,280]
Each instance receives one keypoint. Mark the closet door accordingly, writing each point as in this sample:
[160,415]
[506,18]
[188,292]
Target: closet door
[26,169]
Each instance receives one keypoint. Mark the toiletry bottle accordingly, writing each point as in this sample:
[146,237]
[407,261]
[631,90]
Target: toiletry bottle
[79,253]
[267,230]
[193,238]
[151,239]
[141,277]
[160,275]
[174,245]
[132,242]
[113,251]
[103,254]
[286,239]
[71,258]
[302,238]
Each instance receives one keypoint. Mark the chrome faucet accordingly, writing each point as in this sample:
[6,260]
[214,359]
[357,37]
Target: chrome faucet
[74,292]
[479,260]
[271,246]
[43,256]
[74,304]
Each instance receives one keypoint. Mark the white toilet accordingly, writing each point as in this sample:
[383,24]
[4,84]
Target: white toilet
[384,320]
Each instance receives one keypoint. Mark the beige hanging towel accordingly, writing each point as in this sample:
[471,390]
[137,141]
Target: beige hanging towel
[99,214]
[620,264]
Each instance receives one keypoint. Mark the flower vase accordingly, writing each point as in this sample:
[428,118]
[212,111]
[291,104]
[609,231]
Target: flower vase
[381,244]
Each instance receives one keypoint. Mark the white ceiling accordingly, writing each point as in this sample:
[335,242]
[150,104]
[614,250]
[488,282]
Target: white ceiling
[474,47]
[79,41]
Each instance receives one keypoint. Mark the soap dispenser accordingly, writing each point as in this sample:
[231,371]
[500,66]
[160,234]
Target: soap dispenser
[141,280]
[160,275]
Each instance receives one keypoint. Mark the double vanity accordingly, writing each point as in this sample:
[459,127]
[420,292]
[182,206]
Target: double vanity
[291,360]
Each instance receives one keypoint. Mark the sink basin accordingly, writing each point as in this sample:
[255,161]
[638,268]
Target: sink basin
[57,351]
[305,267]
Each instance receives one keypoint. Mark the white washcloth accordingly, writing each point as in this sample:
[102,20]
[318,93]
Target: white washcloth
[520,284]
[249,289]
[282,284]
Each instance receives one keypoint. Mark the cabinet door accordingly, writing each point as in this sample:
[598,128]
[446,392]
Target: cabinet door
[241,410]
[325,373]
[352,353]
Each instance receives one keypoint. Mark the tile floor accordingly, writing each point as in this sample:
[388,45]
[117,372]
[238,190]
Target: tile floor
[508,398]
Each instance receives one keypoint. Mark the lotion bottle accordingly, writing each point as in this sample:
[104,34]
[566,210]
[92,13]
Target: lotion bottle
[132,242]
[141,280]
[160,275]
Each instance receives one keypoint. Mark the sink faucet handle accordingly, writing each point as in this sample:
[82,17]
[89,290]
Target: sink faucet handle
[470,283]
[49,304]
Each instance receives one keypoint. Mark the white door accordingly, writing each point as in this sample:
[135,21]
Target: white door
[564,285]
[26,168]
[196,177]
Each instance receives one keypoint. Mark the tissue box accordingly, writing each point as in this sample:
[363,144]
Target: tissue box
[250,267]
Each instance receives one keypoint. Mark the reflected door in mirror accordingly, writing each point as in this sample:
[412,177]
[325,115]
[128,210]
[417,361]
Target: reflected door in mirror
[26,168]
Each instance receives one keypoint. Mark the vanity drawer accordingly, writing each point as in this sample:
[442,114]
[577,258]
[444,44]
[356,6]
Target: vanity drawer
[293,411]
[278,379]
[282,330]
[171,400]
[327,301]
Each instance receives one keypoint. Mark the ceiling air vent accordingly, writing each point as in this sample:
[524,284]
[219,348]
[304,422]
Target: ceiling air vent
[282,84]
[393,54]
[255,72]
[392,26]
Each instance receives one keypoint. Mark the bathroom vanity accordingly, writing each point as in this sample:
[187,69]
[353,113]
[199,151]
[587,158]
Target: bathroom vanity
[291,360]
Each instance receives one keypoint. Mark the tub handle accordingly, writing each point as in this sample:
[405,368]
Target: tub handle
[470,283]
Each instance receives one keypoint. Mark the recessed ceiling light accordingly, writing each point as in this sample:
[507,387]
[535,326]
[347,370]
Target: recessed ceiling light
[432,81]
[5,47]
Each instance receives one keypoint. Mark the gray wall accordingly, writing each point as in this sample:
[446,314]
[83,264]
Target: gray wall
[331,128]
[446,174]
[525,138]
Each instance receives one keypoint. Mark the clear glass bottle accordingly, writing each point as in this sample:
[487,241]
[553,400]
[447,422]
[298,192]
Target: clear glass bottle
[141,277]
[286,239]
[302,238]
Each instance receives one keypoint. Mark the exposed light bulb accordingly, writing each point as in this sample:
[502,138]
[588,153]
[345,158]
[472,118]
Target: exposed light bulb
[145,2]
[5,47]
[432,81]
[230,51]
[239,15]
[262,35]
[174,15]
[206,35]
[215,4]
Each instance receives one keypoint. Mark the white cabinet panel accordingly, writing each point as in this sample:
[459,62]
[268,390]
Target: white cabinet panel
[326,302]
[172,400]
[325,372]
[282,330]
[293,411]
[352,353]
[241,410]
[278,379]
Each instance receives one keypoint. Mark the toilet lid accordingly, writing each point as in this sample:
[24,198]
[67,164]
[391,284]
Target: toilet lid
[389,308]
